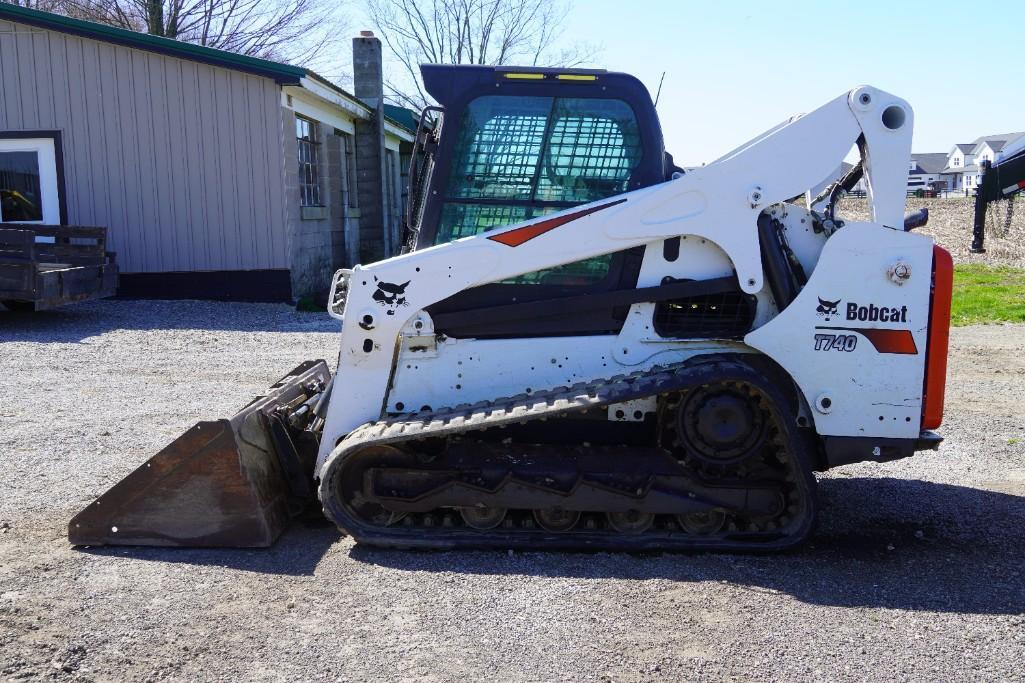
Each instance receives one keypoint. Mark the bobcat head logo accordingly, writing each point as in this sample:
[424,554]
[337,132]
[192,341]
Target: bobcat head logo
[391,295]
[826,308]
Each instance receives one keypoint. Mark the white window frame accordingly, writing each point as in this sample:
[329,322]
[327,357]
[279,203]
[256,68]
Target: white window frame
[310,183]
[46,147]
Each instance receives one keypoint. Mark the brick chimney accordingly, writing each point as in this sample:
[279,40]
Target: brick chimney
[368,80]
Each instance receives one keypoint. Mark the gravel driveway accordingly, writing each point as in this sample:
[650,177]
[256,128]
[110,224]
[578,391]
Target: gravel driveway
[916,572]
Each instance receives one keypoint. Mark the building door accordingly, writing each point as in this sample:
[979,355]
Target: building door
[29,188]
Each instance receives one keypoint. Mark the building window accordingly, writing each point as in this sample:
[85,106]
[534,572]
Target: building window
[309,169]
[957,161]
[31,178]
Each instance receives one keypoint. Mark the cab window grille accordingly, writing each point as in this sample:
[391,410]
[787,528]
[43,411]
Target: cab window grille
[593,148]
[523,157]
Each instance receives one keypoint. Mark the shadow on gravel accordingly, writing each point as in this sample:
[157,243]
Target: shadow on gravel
[76,322]
[892,543]
[297,553]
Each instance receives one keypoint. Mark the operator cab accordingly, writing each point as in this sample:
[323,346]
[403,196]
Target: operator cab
[517,143]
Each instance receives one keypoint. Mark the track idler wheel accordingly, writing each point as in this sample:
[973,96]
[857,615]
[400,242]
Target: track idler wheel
[349,487]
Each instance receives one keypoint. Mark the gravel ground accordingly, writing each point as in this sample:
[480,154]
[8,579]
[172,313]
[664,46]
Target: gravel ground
[916,572]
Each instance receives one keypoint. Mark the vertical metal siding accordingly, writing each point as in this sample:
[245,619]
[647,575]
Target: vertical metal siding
[182,161]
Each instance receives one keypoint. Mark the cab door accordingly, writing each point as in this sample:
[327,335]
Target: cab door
[525,153]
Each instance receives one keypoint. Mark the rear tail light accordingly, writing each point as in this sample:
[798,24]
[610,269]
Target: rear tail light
[939,335]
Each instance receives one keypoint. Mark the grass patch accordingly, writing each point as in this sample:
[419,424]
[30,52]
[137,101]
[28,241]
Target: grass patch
[987,294]
[306,304]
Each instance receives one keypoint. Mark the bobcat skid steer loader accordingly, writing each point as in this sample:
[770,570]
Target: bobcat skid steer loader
[583,346]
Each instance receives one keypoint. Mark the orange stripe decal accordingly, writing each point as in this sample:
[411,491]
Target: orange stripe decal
[891,341]
[517,236]
[884,341]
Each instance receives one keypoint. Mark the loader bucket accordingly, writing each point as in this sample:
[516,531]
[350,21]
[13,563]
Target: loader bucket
[224,483]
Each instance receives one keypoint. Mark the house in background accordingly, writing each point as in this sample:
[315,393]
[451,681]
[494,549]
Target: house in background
[925,171]
[962,168]
[958,159]
[218,175]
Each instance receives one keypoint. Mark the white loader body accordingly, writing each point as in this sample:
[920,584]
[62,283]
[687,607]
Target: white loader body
[391,362]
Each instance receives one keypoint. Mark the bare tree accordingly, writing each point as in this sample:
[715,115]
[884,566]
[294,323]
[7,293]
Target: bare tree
[523,32]
[296,31]
[43,5]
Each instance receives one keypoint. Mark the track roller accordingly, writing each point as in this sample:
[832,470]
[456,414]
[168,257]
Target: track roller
[556,519]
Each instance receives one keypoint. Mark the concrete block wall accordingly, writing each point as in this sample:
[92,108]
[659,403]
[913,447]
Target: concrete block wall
[331,164]
[316,237]
[369,176]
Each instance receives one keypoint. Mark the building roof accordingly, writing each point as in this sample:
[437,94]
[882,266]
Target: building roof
[399,121]
[965,147]
[282,73]
[996,142]
[402,116]
[930,162]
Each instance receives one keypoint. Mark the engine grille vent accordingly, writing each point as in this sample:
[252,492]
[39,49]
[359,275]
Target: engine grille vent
[726,315]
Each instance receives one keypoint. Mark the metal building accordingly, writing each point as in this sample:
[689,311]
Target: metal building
[218,175]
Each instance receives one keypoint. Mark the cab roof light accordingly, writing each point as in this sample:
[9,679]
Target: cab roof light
[525,76]
[577,77]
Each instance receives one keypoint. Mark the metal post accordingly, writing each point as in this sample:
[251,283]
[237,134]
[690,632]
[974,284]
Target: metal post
[979,227]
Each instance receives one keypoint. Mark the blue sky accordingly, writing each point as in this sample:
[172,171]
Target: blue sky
[734,69]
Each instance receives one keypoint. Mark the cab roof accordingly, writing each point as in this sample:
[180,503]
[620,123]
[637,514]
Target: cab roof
[447,83]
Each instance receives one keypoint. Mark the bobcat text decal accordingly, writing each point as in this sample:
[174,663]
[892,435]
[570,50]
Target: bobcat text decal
[883,340]
[873,313]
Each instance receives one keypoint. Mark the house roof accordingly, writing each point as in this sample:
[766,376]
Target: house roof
[965,147]
[972,168]
[282,73]
[930,162]
[998,141]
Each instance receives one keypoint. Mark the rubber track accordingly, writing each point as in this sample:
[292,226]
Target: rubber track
[556,402]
